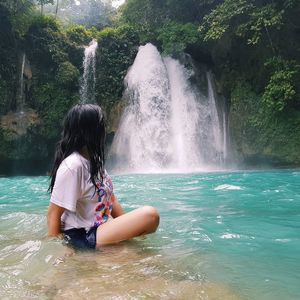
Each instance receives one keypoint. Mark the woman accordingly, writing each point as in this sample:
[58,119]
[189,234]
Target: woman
[83,208]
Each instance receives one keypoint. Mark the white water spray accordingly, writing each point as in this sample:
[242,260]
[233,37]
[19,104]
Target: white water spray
[167,126]
[88,80]
[216,124]
[184,118]
[20,106]
[225,130]
[142,139]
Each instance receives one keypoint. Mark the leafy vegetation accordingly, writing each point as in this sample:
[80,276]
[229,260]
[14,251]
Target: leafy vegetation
[221,19]
[116,52]
[89,13]
[281,90]
[175,37]
[251,46]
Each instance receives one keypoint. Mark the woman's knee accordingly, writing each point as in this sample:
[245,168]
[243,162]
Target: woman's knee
[152,216]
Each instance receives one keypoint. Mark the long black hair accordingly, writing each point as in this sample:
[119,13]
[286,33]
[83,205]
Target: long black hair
[84,125]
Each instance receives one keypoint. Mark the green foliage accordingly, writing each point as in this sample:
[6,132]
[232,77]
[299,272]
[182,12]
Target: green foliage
[6,145]
[52,102]
[176,37]
[232,37]
[8,58]
[220,19]
[258,23]
[261,20]
[186,11]
[117,48]
[55,82]
[287,4]
[7,43]
[89,13]
[260,132]
[149,16]
[246,106]
[250,20]
[5,96]
[67,75]
[44,2]
[281,88]
[20,13]
[79,34]
[146,16]
[20,24]
[47,43]
[55,57]
[45,22]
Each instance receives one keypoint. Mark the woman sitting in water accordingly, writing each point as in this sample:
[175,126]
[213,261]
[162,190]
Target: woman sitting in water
[83,208]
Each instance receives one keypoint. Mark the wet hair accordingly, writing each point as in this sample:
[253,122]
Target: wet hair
[84,125]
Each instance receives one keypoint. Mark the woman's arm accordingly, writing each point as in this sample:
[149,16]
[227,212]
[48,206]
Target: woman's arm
[117,210]
[53,218]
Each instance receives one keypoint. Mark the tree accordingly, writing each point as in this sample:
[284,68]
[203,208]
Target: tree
[56,9]
[43,2]
[261,19]
[146,16]
[117,48]
[175,37]
[281,90]
[85,12]
[221,18]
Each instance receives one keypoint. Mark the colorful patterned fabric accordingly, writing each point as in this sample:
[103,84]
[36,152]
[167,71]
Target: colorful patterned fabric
[104,206]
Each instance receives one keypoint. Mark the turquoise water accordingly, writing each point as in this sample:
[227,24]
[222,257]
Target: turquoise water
[232,234]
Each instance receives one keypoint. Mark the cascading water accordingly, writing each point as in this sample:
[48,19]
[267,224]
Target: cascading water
[168,125]
[20,104]
[143,137]
[20,122]
[88,80]
[216,125]
[184,118]
[225,142]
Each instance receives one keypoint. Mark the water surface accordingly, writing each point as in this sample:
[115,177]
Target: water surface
[231,235]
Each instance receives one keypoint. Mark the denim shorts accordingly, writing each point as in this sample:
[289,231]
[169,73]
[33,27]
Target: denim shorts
[80,238]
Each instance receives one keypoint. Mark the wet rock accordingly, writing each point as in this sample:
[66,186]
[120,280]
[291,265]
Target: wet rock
[17,123]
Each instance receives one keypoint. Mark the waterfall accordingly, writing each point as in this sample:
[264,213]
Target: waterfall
[225,129]
[184,117]
[168,124]
[142,139]
[216,123]
[88,80]
[21,104]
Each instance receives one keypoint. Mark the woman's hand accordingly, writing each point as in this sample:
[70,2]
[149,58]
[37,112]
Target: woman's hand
[53,217]
[117,209]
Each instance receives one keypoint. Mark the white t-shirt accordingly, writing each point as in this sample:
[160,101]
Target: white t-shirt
[84,205]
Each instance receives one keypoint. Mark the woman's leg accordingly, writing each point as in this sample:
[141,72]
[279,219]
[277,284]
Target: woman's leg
[140,221]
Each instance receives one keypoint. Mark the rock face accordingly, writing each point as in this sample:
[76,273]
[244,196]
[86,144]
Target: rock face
[263,139]
[114,116]
[27,70]
[18,122]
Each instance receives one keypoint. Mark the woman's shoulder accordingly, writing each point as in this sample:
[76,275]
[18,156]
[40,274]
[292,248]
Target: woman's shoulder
[75,162]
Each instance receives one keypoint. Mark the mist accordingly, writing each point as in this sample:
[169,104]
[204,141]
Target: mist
[86,12]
